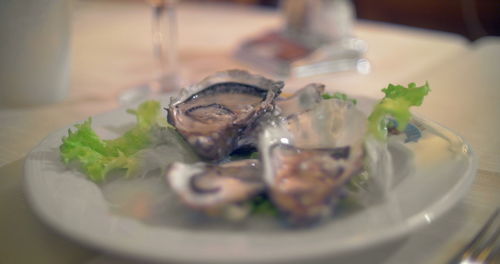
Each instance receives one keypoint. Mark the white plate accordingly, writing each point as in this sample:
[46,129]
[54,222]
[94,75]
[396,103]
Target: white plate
[432,175]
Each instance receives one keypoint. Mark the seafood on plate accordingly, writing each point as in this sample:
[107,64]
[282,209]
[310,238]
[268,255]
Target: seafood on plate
[217,115]
[217,189]
[310,156]
[304,149]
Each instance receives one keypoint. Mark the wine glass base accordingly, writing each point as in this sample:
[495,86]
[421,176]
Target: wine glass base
[164,85]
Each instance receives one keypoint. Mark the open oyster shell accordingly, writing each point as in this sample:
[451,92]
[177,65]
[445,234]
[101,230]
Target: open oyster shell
[216,115]
[215,188]
[303,100]
[308,157]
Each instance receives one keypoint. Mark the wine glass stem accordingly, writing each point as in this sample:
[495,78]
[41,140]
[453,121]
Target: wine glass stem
[165,43]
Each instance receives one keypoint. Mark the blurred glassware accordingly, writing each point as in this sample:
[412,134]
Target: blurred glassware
[322,20]
[317,38]
[34,52]
[164,37]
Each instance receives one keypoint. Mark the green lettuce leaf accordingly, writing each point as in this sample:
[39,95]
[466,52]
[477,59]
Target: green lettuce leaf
[340,96]
[396,104]
[262,205]
[98,157]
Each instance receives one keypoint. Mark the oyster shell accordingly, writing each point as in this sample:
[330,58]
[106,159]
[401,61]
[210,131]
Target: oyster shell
[308,158]
[216,115]
[214,188]
[304,99]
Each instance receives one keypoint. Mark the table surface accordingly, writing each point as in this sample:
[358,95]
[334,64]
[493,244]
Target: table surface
[111,52]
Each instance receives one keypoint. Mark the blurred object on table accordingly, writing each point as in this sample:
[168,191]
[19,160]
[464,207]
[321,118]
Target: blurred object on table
[316,38]
[164,38]
[35,52]
[164,30]
[470,18]
[247,2]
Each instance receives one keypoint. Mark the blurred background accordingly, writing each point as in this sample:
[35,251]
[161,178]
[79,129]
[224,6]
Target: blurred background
[472,19]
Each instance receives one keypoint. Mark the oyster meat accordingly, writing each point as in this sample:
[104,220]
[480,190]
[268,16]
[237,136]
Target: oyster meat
[308,158]
[216,189]
[216,115]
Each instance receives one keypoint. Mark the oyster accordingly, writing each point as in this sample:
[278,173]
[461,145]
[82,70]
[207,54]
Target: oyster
[304,99]
[216,115]
[216,189]
[308,158]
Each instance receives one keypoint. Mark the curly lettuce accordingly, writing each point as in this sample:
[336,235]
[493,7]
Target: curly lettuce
[340,96]
[98,157]
[262,205]
[396,104]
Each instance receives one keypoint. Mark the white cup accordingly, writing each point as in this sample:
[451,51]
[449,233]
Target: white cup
[34,51]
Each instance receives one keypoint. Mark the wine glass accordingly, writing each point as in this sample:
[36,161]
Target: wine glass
[164,38]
